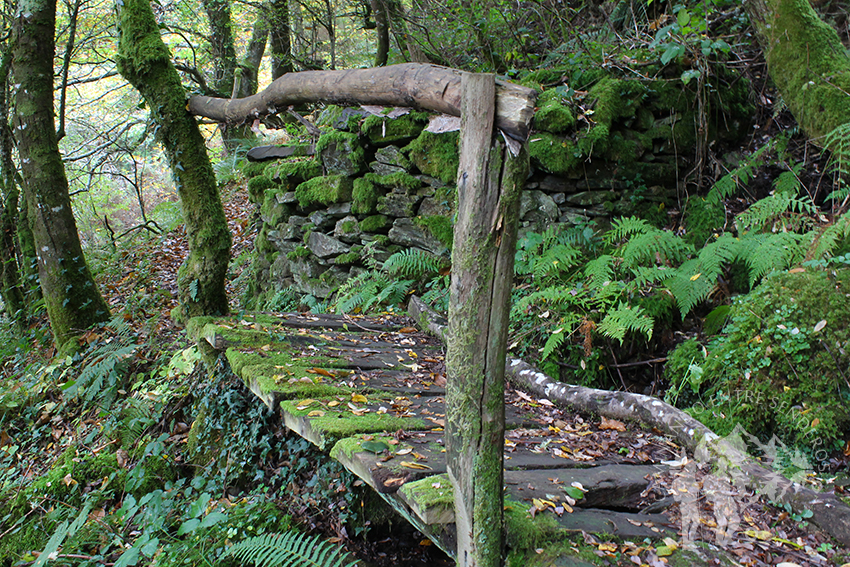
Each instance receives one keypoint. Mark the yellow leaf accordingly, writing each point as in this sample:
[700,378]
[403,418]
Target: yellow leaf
[610,547]
[359,398]
[316,413]
[304,404]
[763,535]
[415,466]
[333,403]
[815,422]
[695,277]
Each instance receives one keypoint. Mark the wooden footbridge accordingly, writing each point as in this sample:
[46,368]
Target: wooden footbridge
[370,391]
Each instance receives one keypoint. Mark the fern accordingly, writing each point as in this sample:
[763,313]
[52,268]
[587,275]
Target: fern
[728,185]
[765,253]
[556,260]
[413,263]
[654,245]
[626,227]
[289,549]
[690,286]
[559,335]
[625,318]
[600,271]
[829,238]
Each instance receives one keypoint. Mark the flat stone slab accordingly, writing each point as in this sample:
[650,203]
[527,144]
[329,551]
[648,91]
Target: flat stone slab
[607,486]
[266,153]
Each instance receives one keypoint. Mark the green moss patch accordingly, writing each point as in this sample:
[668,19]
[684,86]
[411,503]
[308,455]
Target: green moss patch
[384,131]
[554,154]
[257,187]
[297,170]
[374,223]
[324,191]
[436,155]
[398,180]
[439,227]
[364,197]
[552,114]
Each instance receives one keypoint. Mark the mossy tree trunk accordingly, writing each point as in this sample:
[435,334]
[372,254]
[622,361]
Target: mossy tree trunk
[279,41]
[490,180]
[144,60]
[222,46]
[71,296]
[807,62]
[246,80]
[382,30]
[12,291]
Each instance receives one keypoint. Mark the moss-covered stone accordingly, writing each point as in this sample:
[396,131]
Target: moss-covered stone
[324,191]
[552,114]
[439,227]
[554,154]
[375,223]
[253,168]
[365,196]
[382,131]
[272,211]
[341,153]
[395,181]
[436,155]
[300,252]
[295,170]
[257,187]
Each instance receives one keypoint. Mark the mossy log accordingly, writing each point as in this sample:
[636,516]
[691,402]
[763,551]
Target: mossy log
[427,87]
[806,60]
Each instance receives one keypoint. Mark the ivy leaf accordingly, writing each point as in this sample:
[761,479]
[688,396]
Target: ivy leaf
[683,18]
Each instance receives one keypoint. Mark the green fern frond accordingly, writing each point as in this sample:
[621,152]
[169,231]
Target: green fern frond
[830,238]
[728,185]
[412,263]
[599,271]
[625,318]
[765,253]
[714,255]
[646,248]
[625,227]
[765,212]
[288,550]
[551,296]
[690,286]
[838,142]
[556,260]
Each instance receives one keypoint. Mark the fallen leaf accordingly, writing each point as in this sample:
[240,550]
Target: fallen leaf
[359,398]
[820,325]
[407,330]
[304,404]
[612,424]
[415,466]
[321,371]
[316,413]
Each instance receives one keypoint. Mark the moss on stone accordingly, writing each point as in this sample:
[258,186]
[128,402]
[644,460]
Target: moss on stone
[345,146]
[525,533]
[439,227]
[374,223]
[300,252]
[397,180]
[324,191]
[252,169]
[552,114]
[347,259]
[272,211]
[364,196]
[257,187]
[262,243]
[383,131]
[431,492]
[554,154]
[436,155]
[296,169]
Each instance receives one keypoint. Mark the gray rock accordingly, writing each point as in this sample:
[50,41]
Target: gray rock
[385,169]
[287,198]
[405,233]
[278,240]
[348,230]
[432,206]
[538,208]
[265,153]
[293,229]
[324,246]
[343,156]
[590,198]
[338,210]
[391,155]
[321,220]
[280,268]
[397,204]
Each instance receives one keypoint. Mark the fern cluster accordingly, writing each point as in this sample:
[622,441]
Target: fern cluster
[291,549]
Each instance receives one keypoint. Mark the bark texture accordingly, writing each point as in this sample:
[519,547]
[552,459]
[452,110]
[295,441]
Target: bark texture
[410,84]
[71,296]
[806,60]
[221,45]
[279,41]
[382,31]
[489,184]
[144,60]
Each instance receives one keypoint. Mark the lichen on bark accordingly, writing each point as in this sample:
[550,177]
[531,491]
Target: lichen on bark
[144,60]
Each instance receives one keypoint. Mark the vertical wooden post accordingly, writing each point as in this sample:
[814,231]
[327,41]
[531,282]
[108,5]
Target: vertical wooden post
[490,179]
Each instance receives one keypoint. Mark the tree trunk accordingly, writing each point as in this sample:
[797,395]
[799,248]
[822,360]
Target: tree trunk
[246,81]
[279,43]
[221,43]
[144,60]
[12,291]
[807,62]
[490,180]
[70,294]
[382,30]
[410,84]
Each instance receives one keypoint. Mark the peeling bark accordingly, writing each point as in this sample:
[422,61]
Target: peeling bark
[410,84]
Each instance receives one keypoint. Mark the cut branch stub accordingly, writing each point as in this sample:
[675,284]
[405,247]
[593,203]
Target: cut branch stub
[427,87]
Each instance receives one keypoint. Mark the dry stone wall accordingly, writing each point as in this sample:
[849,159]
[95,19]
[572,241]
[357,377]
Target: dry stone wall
[378,181]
